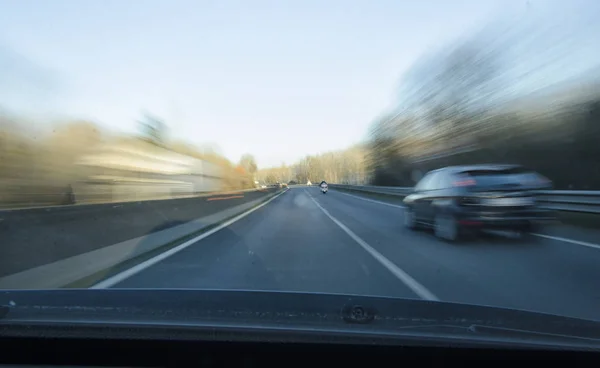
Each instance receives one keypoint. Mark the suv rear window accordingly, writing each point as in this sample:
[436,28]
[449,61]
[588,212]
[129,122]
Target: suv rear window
[515,176]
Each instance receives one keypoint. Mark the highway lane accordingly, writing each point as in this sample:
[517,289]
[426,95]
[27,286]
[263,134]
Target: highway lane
[289,244]
[539,274]
[294,244]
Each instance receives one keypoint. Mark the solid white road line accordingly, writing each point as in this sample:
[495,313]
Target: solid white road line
[113,280]
[371,200]
[585,244]
[411,283]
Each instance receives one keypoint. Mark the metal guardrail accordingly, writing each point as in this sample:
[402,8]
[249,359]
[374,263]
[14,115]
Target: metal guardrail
[561,200]
[396,191]
[571,200]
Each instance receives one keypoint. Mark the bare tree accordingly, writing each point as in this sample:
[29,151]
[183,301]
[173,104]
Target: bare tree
[153,129]
[345,166]
[248,162]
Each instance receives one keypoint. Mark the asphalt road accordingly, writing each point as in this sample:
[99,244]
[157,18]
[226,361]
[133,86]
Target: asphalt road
[338,243]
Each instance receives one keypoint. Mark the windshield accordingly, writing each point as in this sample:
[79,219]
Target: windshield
[179,144]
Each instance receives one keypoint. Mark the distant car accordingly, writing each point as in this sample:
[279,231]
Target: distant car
[458,200]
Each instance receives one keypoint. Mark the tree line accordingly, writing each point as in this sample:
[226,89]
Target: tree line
[39,167]
[522,89]
[491,98]
[346,166]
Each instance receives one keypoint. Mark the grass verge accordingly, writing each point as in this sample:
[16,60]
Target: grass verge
[586,220]
[389,198]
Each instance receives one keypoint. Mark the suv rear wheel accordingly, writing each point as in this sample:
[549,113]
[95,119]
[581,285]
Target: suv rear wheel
[445,227]
[526,232]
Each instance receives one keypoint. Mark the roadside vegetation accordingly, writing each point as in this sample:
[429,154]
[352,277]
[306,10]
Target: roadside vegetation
[42,166]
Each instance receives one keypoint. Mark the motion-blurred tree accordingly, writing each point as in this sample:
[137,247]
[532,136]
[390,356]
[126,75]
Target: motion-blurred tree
[345,166]
[153,129]
[248,162]
[270,178]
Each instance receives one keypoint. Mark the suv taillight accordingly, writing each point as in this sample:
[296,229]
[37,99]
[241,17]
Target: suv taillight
[464,182]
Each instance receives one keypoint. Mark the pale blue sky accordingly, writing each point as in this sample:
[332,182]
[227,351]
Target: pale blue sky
[278,79]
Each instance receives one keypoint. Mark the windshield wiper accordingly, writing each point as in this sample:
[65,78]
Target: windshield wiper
[506,332]
[496,333]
